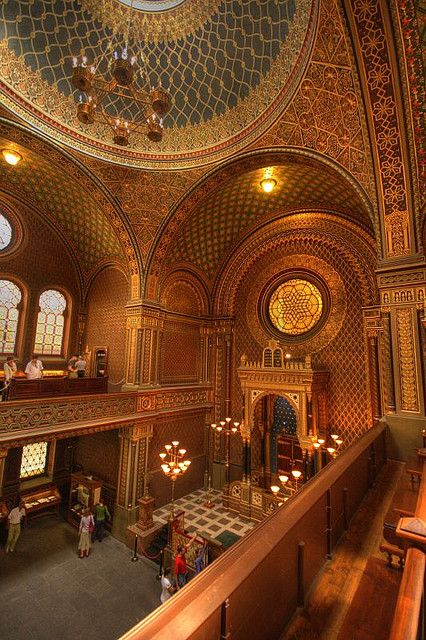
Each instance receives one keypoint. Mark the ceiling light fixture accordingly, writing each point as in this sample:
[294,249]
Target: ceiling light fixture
[11,157]
[137,109]
[268,183]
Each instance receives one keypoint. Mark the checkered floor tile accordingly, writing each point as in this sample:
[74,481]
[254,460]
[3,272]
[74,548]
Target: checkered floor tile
[209,520]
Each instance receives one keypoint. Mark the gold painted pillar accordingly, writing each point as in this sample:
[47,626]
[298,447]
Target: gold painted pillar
[401,353]
[132,476]
[144,325]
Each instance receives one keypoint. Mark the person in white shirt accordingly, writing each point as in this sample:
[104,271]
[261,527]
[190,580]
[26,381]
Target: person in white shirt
[34,369]
[167,588]
[14,518]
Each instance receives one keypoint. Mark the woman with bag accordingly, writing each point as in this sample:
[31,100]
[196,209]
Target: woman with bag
[87,526]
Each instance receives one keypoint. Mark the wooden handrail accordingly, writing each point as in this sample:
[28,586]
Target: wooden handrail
[407,611]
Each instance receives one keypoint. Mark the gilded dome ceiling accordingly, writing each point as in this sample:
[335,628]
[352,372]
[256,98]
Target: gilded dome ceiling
[231,68]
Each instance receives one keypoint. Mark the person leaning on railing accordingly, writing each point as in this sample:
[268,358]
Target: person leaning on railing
[9,369]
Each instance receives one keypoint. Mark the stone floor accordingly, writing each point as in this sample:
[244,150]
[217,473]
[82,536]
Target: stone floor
[47,592]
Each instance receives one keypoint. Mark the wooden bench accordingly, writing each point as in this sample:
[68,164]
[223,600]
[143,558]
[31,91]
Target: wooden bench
[403,504]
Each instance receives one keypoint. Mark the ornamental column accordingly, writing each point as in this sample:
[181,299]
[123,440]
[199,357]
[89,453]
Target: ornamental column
[144,326]
[132,476]
[400,353]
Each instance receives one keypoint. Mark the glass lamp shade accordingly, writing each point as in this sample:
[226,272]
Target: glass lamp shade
[296,474]
[11,157]
[275,489]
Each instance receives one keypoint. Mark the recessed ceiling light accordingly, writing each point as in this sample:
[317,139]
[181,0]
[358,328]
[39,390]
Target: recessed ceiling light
[268,184]
[12,157]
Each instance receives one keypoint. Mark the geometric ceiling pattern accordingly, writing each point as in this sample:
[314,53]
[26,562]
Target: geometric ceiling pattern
[223,97]
[326,113]
[146,197]
[220,219]
[59,197]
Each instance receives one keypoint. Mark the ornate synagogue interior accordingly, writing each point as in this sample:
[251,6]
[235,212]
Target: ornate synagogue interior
[218,206]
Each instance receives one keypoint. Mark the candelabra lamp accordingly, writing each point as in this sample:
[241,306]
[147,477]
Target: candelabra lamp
[228,427]
[322,452]
[289,486]
[174,465]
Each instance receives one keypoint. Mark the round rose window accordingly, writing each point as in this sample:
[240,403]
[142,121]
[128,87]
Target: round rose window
[295,307]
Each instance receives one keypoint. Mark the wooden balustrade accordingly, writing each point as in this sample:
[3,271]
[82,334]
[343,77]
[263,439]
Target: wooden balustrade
[408,607]
[253,589]
[409,618]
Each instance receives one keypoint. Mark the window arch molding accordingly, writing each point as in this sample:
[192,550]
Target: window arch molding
[16,242]
[67,318]
[22,307]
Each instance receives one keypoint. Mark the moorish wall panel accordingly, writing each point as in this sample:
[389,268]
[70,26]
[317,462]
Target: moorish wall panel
[338,347]
[189,430]
[106,320]
[180,352]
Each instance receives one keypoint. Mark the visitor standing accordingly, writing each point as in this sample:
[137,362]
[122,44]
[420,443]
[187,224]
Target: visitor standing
[101,516]
[14,520]
[180,572]
[34,369]
[9,369]
[71,368]
[167,589]
[85,530]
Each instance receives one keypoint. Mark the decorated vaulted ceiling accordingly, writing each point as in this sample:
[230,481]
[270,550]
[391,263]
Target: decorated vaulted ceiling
[61,198]
[230,67]
[220,219]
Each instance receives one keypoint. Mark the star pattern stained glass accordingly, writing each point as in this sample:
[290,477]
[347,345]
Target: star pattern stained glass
[34,460]
[50,323]
[295,307]
[5,232]
[10,297]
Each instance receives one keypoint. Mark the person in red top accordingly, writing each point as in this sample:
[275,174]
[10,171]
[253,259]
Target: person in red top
[180,572]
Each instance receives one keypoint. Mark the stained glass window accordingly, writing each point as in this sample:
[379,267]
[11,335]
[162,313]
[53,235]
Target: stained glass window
[10,297]
[5,232]
[34,459]
[50,323]
[295,307]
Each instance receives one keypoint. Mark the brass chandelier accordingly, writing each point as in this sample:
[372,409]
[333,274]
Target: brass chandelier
[151,105]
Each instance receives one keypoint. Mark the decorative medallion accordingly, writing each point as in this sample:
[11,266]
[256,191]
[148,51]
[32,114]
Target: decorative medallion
[231,69]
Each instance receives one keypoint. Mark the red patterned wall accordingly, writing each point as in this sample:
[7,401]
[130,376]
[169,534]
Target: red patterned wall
[106,319]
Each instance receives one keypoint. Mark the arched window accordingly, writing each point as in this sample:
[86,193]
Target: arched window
[10,297]
[5,232]
[50,323]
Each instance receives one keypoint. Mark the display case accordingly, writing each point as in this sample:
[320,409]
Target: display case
[42,501]
[85,491]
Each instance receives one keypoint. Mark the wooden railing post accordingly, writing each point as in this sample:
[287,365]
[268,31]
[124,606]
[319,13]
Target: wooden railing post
[225,632]
[345,508]
[300,574]
[329,528]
